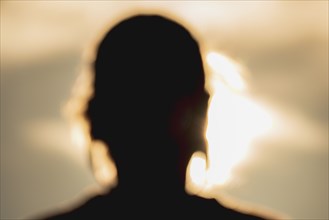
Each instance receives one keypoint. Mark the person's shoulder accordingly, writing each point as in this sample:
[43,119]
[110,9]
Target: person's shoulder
[212,207]
[84,209]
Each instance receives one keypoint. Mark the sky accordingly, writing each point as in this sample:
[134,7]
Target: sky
[279,49]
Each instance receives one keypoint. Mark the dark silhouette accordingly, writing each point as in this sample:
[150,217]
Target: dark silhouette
[149,107]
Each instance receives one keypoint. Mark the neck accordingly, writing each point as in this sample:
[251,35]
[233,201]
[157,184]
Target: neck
[160,168]
[151,174]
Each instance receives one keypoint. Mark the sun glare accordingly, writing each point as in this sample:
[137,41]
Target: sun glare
[198,165]
[234,121]
[227,70]
[196,174]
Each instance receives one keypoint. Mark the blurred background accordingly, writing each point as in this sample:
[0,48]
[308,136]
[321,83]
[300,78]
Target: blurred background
[267,62]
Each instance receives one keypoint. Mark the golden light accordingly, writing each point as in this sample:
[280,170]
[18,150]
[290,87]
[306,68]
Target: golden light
[196,174]
[75,108]
[99,157]
[227,70]
[104,168]
[198,165]
[234,121]
[78,136]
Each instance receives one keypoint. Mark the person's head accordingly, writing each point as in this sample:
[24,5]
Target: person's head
[149,96]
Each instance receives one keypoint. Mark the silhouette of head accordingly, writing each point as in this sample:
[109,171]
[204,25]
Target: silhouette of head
[149,104]
[149,107]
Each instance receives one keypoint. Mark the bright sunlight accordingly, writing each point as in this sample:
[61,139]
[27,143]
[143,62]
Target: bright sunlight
[234,121]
